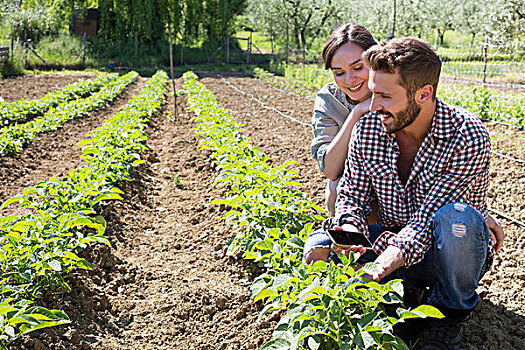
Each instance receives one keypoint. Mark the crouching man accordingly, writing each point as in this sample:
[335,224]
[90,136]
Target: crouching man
[427,165]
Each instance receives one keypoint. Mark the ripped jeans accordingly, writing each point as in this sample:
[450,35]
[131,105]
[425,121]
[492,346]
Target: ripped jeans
[453,265]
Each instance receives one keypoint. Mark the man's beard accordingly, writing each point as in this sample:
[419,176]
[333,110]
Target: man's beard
[402,119]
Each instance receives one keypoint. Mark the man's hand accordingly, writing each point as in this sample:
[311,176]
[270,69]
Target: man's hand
[496,231]
[359,249]
[390,260]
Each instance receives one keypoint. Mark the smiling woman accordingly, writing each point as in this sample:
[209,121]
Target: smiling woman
[340,104]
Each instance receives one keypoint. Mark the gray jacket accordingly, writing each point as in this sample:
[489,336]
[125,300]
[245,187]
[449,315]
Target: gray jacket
[330,112]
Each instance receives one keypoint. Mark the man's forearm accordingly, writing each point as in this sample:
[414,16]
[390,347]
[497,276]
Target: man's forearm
[390,260]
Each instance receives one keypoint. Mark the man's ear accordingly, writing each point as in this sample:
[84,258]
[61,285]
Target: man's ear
[424,95]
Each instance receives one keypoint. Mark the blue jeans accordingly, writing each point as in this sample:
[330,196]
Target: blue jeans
[453,265]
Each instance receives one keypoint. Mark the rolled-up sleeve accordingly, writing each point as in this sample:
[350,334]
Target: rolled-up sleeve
[328,117]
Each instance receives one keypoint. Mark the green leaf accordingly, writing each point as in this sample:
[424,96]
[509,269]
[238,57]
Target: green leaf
[295,242]
[10,201]
[428,311]
[257,287]
[314,342]
[5,308]
[277,344]
[85,265]
[283,279]
[265,293]
[9,331]
[422,311]
[55,265]
[371,268]
[106,196]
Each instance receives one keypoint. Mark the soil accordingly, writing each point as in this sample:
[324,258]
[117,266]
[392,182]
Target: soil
[166,284]
[36,86]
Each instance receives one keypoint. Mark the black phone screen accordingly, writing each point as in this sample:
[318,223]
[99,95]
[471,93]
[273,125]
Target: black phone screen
[347,238]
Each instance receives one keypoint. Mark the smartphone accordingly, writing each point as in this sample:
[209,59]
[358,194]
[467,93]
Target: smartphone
[346,239]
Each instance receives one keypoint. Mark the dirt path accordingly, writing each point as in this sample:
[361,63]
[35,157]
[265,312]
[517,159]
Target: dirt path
[55,153]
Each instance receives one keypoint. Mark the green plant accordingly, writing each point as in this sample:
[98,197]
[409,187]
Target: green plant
[17,319]
[178,181]
[11,68]
[14,137]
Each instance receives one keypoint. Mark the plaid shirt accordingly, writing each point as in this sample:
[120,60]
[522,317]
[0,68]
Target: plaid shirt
[452,165]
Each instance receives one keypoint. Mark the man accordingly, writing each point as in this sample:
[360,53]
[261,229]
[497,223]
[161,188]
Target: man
[427,164]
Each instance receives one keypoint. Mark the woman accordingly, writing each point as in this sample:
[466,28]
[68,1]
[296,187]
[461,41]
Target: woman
[340,104]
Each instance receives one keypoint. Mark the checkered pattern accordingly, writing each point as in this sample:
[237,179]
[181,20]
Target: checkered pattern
[452,165]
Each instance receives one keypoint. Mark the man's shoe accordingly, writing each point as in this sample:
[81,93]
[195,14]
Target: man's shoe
[410,329]
[446,333]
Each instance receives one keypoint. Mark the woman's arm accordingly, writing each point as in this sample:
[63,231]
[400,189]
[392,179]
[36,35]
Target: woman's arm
[337,151]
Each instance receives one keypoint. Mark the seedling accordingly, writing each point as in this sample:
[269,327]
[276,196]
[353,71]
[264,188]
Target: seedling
[178,181]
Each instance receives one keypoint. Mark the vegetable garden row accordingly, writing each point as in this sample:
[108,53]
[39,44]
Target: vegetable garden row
[40,249]
[14,137]
[19,111]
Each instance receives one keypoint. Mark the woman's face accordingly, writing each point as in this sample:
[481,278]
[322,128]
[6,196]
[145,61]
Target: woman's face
[350,73]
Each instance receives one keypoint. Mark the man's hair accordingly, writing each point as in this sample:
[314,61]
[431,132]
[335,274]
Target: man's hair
[346,33]
[416,61]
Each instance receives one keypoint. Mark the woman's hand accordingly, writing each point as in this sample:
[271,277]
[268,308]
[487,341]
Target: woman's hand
[361,109]
[496,231]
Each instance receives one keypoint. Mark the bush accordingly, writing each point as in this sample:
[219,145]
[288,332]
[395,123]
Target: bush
[11,68]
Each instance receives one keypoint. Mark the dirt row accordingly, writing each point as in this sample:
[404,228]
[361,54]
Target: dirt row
[166,284]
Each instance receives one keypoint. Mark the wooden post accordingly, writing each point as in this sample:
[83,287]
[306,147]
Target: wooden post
[12,42]
[84,51]
[182,49]
[136,49]
[24,45]
[485,63]
[175,113]
[227,48]
[271,43]
[394,21]
[249,51]
[287,43]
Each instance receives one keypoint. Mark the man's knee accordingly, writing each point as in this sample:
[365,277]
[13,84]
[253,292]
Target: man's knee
[459,219]
[317,254]
[461,237]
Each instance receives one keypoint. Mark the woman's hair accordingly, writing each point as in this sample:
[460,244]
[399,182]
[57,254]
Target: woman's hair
[347,33]
[416,61]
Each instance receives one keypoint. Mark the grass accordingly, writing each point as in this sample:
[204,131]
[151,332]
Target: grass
[66,51]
